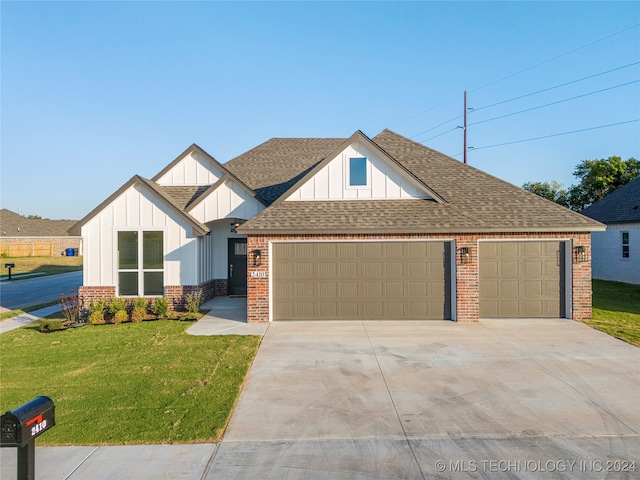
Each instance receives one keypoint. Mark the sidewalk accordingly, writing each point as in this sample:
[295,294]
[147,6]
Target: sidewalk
[27,318]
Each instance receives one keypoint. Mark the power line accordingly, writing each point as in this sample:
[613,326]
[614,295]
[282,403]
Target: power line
[556,86]
[439,125]
[552,135]
[439,135]
[516,73]
[554,103]
[556,57]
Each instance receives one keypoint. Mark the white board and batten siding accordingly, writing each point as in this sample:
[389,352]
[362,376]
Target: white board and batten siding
[607,262]
[137,208]
[193,169]
[384,180]
[228,200]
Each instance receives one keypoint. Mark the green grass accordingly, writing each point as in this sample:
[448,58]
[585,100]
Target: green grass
[142,383]
[43,265]
[616,310]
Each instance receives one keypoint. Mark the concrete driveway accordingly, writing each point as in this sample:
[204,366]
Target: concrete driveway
[497,399]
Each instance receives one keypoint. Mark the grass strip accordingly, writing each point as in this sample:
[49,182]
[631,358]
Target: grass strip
[616,310]
[133,383]
[15,313]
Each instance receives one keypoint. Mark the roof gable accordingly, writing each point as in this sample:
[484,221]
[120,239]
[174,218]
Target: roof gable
[194,166]
[620,206]
[384,177]
[157,191]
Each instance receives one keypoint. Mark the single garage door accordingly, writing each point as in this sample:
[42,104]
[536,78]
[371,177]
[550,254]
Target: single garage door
[522,279]
[361,280]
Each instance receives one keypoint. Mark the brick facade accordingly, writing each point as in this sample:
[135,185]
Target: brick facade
[467,278]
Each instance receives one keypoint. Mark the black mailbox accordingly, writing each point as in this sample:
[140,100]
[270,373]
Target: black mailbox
[9,265]
[25,423]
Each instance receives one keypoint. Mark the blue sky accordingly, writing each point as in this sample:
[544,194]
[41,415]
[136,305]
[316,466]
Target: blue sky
[95,92]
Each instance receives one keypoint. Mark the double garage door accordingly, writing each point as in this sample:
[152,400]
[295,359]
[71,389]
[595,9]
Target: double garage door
[398,280]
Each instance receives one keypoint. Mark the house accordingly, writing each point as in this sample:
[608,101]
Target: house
[35,237]
[616,251]
[340,228]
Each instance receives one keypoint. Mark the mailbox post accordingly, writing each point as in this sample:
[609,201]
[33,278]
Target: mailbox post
[20,427]
[9,266]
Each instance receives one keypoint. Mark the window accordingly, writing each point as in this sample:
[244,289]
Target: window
[358,172]
[140,264]
[625,244]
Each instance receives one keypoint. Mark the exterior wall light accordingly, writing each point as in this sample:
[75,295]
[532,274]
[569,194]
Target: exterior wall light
[580,254]
[464,255]
[257,258]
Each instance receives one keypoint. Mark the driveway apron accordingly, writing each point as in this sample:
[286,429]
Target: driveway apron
[495,399]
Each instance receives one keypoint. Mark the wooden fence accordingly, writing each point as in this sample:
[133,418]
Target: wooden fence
[27,249]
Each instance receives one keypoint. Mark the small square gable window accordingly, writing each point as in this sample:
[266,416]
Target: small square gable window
[358,172]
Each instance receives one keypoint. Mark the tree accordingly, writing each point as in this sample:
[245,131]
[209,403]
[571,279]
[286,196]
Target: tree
[551,191]
[34,217]
[598,178]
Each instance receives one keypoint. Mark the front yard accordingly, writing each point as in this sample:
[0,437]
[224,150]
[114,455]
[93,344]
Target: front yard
[616,310]
[133,383]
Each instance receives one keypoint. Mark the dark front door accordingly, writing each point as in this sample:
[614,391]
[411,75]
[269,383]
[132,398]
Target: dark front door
[237,266]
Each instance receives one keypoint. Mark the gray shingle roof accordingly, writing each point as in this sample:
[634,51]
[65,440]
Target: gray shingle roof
[620,206]
[271,168]
[182,196]
[476,201]
[14,225]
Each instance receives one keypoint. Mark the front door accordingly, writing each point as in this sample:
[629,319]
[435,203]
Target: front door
[237,266]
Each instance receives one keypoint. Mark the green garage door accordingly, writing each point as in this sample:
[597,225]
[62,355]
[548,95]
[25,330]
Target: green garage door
[361,280]
[521,279]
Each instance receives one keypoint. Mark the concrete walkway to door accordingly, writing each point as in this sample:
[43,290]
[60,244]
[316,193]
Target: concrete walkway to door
[496,399]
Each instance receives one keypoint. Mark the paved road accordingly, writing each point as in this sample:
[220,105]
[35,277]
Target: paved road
[24,293]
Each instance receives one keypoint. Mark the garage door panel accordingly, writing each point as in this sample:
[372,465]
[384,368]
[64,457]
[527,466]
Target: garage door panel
[363,280]
[529,277]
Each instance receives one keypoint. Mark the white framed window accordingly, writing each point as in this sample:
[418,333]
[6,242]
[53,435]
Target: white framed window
[140,263]
[358,172]
[625,244]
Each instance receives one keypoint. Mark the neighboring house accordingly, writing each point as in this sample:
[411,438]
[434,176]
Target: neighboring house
[27,237]
[340,228]
[616,252]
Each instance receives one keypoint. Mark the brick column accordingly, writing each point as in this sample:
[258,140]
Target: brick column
[257,280]
[467,281]
[582,279]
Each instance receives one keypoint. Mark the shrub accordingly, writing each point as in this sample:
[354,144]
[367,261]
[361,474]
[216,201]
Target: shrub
[96,309]
[192,301]
[97,318]
[190,316]
[51,325]
[160,307]
[117,305]
[171,315]
[120,316]
[139,312]
[70,307]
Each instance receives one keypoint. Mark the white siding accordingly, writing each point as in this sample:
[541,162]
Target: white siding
[229,200]
[138,209]
[384,180]
[193,169]
[606,254]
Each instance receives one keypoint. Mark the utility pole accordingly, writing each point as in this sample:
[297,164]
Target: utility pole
[464,128]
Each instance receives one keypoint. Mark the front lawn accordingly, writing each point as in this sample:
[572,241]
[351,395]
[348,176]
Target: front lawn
[42,265]
[616,310]
[133,383]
